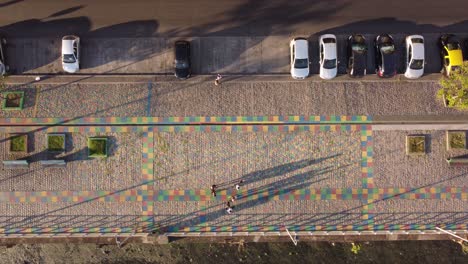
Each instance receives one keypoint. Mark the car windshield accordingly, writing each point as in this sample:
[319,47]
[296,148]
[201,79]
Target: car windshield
[417,64]
[329,40]
[358,48]
[453,46]
[181,64]
[388,48]
[69,58]
[329,64]
[301,63]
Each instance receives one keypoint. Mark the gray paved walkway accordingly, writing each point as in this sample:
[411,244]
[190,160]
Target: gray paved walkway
[237,98]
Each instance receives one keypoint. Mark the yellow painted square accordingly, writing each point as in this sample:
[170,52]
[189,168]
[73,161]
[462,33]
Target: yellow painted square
[276,119]
[296,118]
[333,196]
[317,118]
[54,199]
[364,118]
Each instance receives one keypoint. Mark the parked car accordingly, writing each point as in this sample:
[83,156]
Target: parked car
[71,53]
[182,62]
[357,56]
[3,67]
[414,56]
[451,52]
[299,51]
[385,56]
[328,56]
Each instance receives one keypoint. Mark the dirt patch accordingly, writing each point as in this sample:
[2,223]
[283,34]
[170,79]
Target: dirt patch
[319,252]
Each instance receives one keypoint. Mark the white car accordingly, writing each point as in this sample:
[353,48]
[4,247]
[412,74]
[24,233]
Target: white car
[328,56]
[71,53]
[299,50]
[3,67]
[414,56]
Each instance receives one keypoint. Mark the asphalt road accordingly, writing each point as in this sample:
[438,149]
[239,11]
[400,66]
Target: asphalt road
[146,18]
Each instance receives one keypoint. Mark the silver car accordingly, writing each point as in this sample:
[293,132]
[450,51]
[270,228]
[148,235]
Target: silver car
[71,54]
[299,51]
[3,67]
[414,56]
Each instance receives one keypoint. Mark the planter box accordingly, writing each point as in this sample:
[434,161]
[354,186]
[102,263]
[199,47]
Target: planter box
[415,145]
[13,100]
[56,142]
[97,147]
[18,143]
[456,140]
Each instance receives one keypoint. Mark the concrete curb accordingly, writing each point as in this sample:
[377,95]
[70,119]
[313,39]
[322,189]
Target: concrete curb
[168,77]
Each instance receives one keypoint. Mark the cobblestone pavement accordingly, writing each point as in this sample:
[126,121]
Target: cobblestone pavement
[304,175]
[232,98]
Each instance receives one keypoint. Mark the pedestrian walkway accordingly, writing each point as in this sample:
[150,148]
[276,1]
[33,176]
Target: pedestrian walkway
[306,172]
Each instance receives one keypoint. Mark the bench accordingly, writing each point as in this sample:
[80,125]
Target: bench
[16,164]
[457,162]
[53,163]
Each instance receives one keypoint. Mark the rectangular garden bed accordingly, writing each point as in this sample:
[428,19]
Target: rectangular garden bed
[97,147]
[18,142]
[56,142]
[13,100]
[456,140]
[415,145]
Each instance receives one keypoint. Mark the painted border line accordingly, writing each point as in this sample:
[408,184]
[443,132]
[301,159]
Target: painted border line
[147,172]
[185,120]
[313,194]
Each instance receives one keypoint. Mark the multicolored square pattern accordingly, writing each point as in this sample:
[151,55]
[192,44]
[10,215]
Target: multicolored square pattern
[145,193]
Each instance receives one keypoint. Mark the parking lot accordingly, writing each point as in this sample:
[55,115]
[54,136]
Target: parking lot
[229,55]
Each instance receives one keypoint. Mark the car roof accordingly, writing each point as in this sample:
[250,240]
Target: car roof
[67,46]
[182,49]
[389,62]
[456,57]
[359,61]
[329,50]
[302,49]
[418,50]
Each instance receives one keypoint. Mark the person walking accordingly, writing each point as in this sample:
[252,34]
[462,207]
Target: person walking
[213,190]
[218,79]
[239,184]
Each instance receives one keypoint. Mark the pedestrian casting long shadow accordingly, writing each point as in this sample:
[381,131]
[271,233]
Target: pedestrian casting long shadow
[298,181]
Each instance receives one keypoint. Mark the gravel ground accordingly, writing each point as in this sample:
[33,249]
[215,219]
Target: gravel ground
[262,253]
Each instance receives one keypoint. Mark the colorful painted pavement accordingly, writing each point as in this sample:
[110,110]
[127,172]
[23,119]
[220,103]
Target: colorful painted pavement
[148,195]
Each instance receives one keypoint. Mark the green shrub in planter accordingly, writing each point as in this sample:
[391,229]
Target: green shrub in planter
[56,142]
[19,143]
[456,140]
[415,145]
[97,147]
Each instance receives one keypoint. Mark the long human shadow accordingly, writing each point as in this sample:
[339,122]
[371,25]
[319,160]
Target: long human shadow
[341,217]
[298,181]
